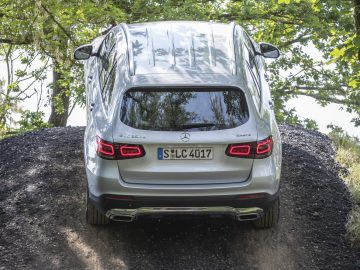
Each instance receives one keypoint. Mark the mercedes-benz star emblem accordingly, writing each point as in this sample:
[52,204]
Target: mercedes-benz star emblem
[185,136]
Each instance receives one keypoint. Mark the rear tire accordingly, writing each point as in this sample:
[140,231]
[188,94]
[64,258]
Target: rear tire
[270,217]
[94,216]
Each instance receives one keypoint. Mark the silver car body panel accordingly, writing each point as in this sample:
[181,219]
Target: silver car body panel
[182,46]
[179,54]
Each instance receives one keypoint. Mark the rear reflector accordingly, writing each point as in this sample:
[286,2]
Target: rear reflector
[251,196]
[119,197]
[256,150]
[109,150]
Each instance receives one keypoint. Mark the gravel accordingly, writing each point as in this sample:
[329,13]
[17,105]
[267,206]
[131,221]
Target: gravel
[42,208]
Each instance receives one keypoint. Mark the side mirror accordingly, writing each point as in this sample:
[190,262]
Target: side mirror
[83,52]
[268,50]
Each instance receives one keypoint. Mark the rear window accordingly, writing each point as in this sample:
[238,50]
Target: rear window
[184,109]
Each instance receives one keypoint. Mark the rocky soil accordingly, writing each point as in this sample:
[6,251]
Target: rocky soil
[42,208]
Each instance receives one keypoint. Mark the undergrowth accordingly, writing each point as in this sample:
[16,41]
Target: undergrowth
[348,155]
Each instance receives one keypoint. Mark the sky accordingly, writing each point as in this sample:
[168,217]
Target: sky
[306,107]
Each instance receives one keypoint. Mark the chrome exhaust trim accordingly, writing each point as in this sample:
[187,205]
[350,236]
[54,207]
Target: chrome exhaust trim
[241,214]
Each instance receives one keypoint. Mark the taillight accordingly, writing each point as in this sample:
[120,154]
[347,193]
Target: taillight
[264,148]
[108,150]
[105,149]
[240,150]
[257,150]
[131,151]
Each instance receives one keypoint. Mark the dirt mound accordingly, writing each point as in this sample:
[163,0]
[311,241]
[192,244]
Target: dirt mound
[42,225]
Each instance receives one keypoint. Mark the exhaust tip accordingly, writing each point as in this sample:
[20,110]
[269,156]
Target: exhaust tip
[122,218]
[249,217]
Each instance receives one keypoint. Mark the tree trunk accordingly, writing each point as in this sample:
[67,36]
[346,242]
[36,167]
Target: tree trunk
[60,101]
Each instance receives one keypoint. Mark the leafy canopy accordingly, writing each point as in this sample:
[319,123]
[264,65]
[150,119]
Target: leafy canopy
[301,29]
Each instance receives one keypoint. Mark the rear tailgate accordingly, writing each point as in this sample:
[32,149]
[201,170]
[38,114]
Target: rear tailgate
[194,127]
[151,170]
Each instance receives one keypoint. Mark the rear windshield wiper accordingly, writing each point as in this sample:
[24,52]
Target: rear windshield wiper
[197,125]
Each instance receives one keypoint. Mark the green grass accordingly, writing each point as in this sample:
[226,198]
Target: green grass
[348,155]
[350,159]
[5,133]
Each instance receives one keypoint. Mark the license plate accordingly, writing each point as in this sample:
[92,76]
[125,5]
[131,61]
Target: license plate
[203,153]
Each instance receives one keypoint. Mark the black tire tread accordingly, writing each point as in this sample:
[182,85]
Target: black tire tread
[270,217]
[94,216]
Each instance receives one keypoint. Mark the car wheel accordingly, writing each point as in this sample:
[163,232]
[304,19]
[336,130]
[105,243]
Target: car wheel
[270,217]
[94,216]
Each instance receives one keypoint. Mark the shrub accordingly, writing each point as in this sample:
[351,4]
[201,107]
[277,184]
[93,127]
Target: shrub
[32,121]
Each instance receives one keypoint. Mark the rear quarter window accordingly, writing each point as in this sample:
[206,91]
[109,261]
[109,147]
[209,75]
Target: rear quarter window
[184,109]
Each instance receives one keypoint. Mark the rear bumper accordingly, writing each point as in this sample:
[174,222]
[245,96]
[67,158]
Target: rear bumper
[106,179]
[129,215]
[129,207]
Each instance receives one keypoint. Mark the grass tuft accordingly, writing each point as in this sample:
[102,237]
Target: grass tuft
[348,155]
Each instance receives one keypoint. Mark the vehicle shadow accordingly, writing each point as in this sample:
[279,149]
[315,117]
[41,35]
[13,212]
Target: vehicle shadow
[178,242]
[182,243]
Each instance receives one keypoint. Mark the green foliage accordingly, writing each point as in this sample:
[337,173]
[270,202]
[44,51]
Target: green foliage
[54,29]
[293,24]
[310,124]
[348,155]
[344,140]
[301,28]
[18,84]
[351,159]
[290,117]
[143,10]
[353,226]
[32,121]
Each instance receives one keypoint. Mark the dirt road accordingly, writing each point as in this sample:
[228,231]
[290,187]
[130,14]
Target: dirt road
[42,225]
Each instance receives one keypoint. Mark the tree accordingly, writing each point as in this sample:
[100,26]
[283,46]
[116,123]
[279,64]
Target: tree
[54,28]
[331,27]
[326,26]
[19,84]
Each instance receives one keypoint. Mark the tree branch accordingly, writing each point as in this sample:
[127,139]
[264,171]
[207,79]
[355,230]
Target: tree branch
[72,108]
[57,23]
[16,42]
[332,100]
[26,96]
[320,97]
[303,37]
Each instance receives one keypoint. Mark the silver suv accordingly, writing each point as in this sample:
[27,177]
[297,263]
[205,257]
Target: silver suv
[180,121]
